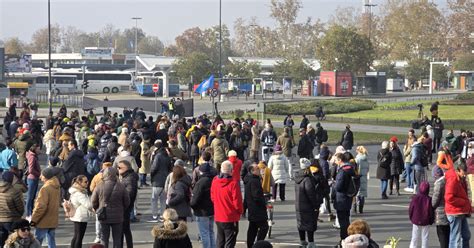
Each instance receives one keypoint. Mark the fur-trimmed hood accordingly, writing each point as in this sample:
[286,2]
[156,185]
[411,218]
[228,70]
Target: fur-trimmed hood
[170,230]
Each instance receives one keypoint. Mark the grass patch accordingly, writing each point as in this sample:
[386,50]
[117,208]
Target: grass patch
[329,106]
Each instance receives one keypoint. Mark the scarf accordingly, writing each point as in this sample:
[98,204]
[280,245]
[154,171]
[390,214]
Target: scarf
[266,175]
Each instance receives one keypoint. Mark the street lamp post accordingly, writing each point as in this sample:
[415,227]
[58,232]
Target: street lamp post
[136,43]
[430,90]
[50,87]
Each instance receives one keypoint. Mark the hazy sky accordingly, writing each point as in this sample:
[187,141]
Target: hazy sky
[163,18]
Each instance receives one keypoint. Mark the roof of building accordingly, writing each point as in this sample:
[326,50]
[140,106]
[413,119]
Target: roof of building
[156,63]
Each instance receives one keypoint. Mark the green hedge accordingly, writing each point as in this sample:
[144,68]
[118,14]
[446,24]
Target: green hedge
[329,107]
[465,96]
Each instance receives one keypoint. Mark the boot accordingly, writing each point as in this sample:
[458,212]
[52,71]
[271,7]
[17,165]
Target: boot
[303,244]
[391,193]
[398,193]
[354,208]
[311,245]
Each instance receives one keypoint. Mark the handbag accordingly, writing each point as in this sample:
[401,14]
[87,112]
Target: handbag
[102,212]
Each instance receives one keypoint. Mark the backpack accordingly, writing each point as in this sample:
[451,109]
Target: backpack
[423,157]
[383,162]
[93,166]
[69,209]
[269,139]
[354,185]
[324,136]
[238,142]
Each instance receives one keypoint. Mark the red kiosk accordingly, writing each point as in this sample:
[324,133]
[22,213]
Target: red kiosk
[335,83]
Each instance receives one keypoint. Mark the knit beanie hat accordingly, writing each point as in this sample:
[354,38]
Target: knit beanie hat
[7,176]
[205,168]
[48,172]
[304,163]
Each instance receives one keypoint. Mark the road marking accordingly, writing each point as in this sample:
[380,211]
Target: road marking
[396,206]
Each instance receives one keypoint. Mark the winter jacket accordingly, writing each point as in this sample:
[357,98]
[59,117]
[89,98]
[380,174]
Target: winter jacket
[117,196]
[34,169]
[129,179]
[201,196]
[421,211]
[455,196]
[363,165]
[306,200]
[343,202]
[304,122]
[286,144]
[178,153]
[145,157]
[407,153]
[11,203]
[194,141]
[160,168]
[347,139]
[227,199]
[438,201]
[255,144]
[280,167]
[254,198]
[397,164]
[268,137]
[384,159]
[49,141]
[125,155]
[445,160]
[21,145]
[15,241]
[46,210]
[82,203]
[305,147]
[74,165]
[179,197]
[236,168]
[323,161]
[416,155]
[9,159]
[196,174]
[220,147]
[171,235]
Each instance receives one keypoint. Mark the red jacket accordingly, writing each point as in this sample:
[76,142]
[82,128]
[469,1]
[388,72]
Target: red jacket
[236,168]
[455,196]
[227,199]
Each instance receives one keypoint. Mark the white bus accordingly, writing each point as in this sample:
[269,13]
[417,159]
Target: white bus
[38,82]
[101,81]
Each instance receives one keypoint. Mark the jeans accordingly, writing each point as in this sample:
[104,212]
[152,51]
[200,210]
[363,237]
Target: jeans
[460,234]
[415,236]
[127,232]
[142,179]
[443,235]
[79,231]
[4,232]
[227,234]
[206,231]
[98,235]
[419,177]
[257,230]
[409,175]
[40,233]
[31,195]
[343,217]
[383,186]
[158,200]
[282,191]
[117,234]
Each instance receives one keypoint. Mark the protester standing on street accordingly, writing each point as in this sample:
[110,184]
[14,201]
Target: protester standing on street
[179,193]
[34,173]
[173,233]
[362,162]
[202,204]
[421,214]
[112,195]
[281,172]
[160,168]
[129,179]
[83,209]
[305,145]
[21,236]
[45,215]
[441,220]
[396,165]
[384,159]
[12,209]
[227,200]
[256,204]
[409,178]
[347,139]
[457,206]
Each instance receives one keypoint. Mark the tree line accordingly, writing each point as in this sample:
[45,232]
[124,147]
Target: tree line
[351,40]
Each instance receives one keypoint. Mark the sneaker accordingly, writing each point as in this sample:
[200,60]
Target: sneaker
[153,220]
[272,200]
[410,190]
[28,218]
[331,217]
[97,241]
[336,226]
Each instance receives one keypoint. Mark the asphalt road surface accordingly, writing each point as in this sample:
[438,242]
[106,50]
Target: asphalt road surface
[386,217]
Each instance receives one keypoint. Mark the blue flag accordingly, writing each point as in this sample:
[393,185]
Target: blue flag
[205,85]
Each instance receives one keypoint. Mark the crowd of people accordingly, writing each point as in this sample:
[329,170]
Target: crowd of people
[215,173]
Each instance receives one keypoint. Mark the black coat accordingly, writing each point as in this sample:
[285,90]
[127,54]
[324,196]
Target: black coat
[347,139]
[306,201]
[254,198]
[160,168]
[305,147]
[171,235]
[384,159]
[74,165]
[304,123]
[201,199]
[129,180]
[397,163]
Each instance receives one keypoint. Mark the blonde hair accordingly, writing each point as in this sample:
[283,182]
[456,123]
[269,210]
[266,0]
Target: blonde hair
[361,150]
[359,226]
[170,215]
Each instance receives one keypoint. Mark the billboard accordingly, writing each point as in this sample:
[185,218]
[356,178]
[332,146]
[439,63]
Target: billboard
[18,63]
[287,86]
[96,52]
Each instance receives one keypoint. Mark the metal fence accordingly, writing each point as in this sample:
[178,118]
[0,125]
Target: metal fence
[70,100]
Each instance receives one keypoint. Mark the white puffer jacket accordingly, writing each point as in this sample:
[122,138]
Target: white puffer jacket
[82,204]
[280,167]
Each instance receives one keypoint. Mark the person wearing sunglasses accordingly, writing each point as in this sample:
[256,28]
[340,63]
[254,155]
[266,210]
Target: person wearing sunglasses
[22,236]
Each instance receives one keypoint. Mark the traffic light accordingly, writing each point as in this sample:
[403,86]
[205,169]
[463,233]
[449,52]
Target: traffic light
[85,84]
